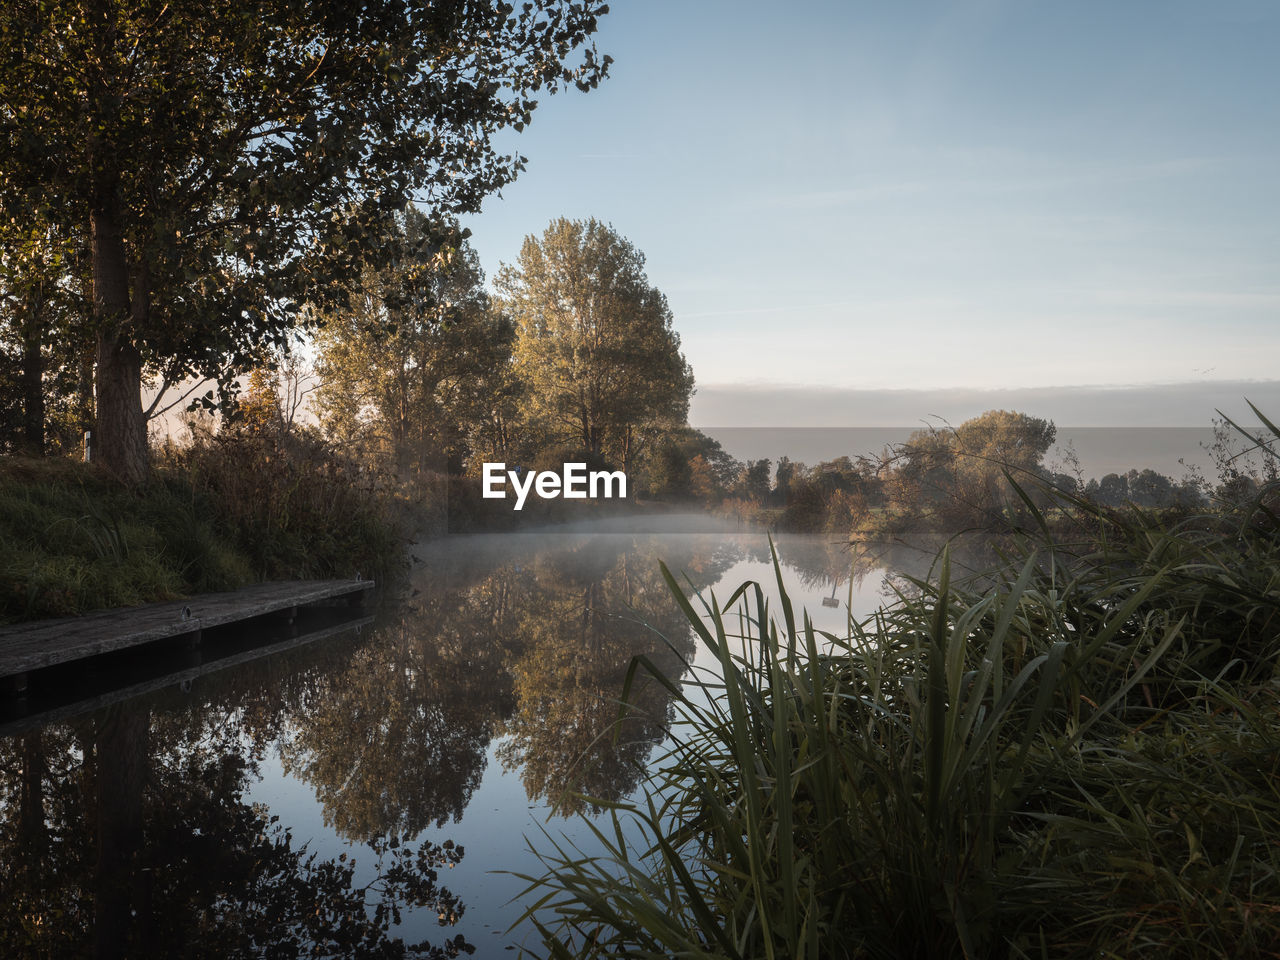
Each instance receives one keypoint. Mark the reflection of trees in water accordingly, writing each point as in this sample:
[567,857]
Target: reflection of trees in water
[597,608]
[534,649]
[396,741]
[816,561]
[828,563]
[128,834]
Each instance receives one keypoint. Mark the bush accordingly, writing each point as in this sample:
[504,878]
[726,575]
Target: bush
[293,505]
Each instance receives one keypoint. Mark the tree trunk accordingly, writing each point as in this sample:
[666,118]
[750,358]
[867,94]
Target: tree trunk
[628,451]
[120,437]
[123,741]
[33,379]
[33,832]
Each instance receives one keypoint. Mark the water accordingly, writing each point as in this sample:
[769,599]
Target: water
[221,812]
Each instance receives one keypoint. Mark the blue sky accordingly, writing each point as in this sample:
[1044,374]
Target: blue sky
[987,194]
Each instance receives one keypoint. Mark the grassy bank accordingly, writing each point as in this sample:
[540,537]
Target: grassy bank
[1076,755]
[215,516]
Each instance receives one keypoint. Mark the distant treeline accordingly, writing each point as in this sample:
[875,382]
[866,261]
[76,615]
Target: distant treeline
[984,474]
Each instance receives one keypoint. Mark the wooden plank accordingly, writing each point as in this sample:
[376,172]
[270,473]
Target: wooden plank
[46,643]
[69,711]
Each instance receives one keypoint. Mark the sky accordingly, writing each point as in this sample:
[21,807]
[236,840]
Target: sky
[978,195]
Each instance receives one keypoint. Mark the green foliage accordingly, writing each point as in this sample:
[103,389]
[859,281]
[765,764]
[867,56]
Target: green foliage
[229,160]
[1072,755]
[684,463]
[952,480]
[74,540]
[415,373]
[42,343]
[805,508]
[294,506]
[1145,488]
[595,346]
[755,479]
[670,472]
[214,517]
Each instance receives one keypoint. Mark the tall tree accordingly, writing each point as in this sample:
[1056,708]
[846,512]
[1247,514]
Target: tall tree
[411,366]
[595,343]
[228,159]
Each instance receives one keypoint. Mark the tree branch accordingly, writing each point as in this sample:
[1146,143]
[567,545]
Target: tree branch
[152,413]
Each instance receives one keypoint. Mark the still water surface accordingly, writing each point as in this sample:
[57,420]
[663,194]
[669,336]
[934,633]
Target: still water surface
[431,747]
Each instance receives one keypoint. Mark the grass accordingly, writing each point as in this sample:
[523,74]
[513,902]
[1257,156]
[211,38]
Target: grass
[1075,755]
[214,516]
[73,539]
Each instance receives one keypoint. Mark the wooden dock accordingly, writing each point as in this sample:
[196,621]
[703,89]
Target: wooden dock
[47,643]
[71,707]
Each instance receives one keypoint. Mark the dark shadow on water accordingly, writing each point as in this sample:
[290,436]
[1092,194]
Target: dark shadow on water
[125,829]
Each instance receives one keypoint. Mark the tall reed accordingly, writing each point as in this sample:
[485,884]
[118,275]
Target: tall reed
[1076,755]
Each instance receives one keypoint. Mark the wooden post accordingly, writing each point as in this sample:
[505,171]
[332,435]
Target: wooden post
[191,640]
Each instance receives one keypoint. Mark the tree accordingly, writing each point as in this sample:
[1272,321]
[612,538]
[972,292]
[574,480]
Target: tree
[1145,488]
[954,479]
[228,159]
[988,445]
[670,471]
[702,479]
[682,461]
[784,475]
[40,341]
[755,479]
[595,344]
[418,360]
[1005,437]
[1112,491]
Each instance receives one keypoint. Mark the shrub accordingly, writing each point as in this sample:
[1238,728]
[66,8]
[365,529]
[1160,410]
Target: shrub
[293,505]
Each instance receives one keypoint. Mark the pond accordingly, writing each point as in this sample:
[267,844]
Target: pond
[354,778]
